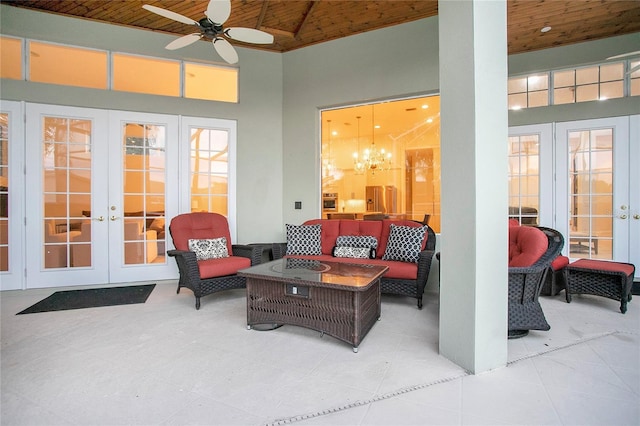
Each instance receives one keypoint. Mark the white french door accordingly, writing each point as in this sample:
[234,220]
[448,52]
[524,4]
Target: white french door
[597,200]
[11,200]
[98,183]
[582,178]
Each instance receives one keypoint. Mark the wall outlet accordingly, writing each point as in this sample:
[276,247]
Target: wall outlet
[298,205]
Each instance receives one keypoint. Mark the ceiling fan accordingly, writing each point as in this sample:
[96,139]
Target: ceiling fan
[210,28]
[625,55]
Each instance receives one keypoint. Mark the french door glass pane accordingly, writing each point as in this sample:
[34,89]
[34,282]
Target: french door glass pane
[4,192]
[144,225]
[66,151]
[591,194]
[524,178]
[209,165]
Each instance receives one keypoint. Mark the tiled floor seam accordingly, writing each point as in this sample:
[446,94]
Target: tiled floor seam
[404,390]
[364,402]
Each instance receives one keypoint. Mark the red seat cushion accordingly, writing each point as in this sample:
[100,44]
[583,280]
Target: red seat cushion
[559,263]
[603,265]
[221,267]
[526,245]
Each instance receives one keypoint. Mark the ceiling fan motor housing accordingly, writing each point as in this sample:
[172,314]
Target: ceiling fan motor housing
[209,29]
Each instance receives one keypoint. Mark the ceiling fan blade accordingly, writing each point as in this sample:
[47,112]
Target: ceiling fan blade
[624,55]
[225,50]
[169,14]
[249,35]
[183,41]
[218,11]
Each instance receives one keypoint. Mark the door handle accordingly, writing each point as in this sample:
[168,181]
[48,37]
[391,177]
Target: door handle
[636,216]
[99,218]
[623,216]
[114,218]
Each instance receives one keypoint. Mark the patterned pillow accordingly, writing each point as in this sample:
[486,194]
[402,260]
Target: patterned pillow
[303,239]
[365,241]
[354,252]
[209,249]
[404,243]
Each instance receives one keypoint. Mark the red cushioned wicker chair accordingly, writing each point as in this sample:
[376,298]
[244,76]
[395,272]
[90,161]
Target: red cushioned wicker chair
[204,277]
[525,282]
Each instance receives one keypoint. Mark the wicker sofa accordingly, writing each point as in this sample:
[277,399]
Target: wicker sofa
[403,277]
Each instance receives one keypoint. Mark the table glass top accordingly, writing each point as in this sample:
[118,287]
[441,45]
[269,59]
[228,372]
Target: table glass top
[290,269]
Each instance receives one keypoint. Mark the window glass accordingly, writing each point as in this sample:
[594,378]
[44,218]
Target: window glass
[587,93]
[209,166]
[524,178]
[613,89]
[612,72]
[517,101]
[564,96]
[4,192]
[383,160]
[587,75]
[564,78]
[210,82]
[11,58]
[146,75]
[66,65]
[539,98]
[517,85]
[537,82]
[635,78]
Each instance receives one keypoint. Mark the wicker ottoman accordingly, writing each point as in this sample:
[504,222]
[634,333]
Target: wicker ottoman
[601,278]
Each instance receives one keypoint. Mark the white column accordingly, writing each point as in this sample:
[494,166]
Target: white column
[474,247]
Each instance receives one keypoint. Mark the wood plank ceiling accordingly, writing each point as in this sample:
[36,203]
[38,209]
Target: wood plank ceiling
[297,23]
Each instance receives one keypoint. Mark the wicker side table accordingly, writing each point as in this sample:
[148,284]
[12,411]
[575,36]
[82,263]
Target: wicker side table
[600,278]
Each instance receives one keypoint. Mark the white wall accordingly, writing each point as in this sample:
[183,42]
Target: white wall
[281,95]
[258,112]
[391,62]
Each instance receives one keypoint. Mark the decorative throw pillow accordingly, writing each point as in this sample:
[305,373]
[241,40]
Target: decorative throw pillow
[303,239]
[366,241]
[209,249]
[404,243]
[354,252]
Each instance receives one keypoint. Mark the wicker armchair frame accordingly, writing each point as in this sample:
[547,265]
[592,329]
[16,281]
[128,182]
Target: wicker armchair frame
[525,284]
[412,288]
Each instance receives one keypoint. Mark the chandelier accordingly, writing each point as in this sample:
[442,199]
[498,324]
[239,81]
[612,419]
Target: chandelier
[329,168]
[372,158]
[358,165]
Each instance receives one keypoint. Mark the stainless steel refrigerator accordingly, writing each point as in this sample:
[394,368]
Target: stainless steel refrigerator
[382,199]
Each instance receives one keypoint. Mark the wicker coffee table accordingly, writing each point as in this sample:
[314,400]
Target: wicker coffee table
[339,299]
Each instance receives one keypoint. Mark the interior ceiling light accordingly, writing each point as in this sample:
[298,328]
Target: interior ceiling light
[545,29]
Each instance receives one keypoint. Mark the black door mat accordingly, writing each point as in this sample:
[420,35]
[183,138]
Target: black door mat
[92,298]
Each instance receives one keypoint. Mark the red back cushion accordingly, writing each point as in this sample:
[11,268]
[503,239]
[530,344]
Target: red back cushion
[526,245]
[198,226]
[331,229]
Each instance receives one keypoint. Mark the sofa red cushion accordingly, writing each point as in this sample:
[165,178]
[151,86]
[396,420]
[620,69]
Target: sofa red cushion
[221,267]
[559,263]
[526,245]
[380,229]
